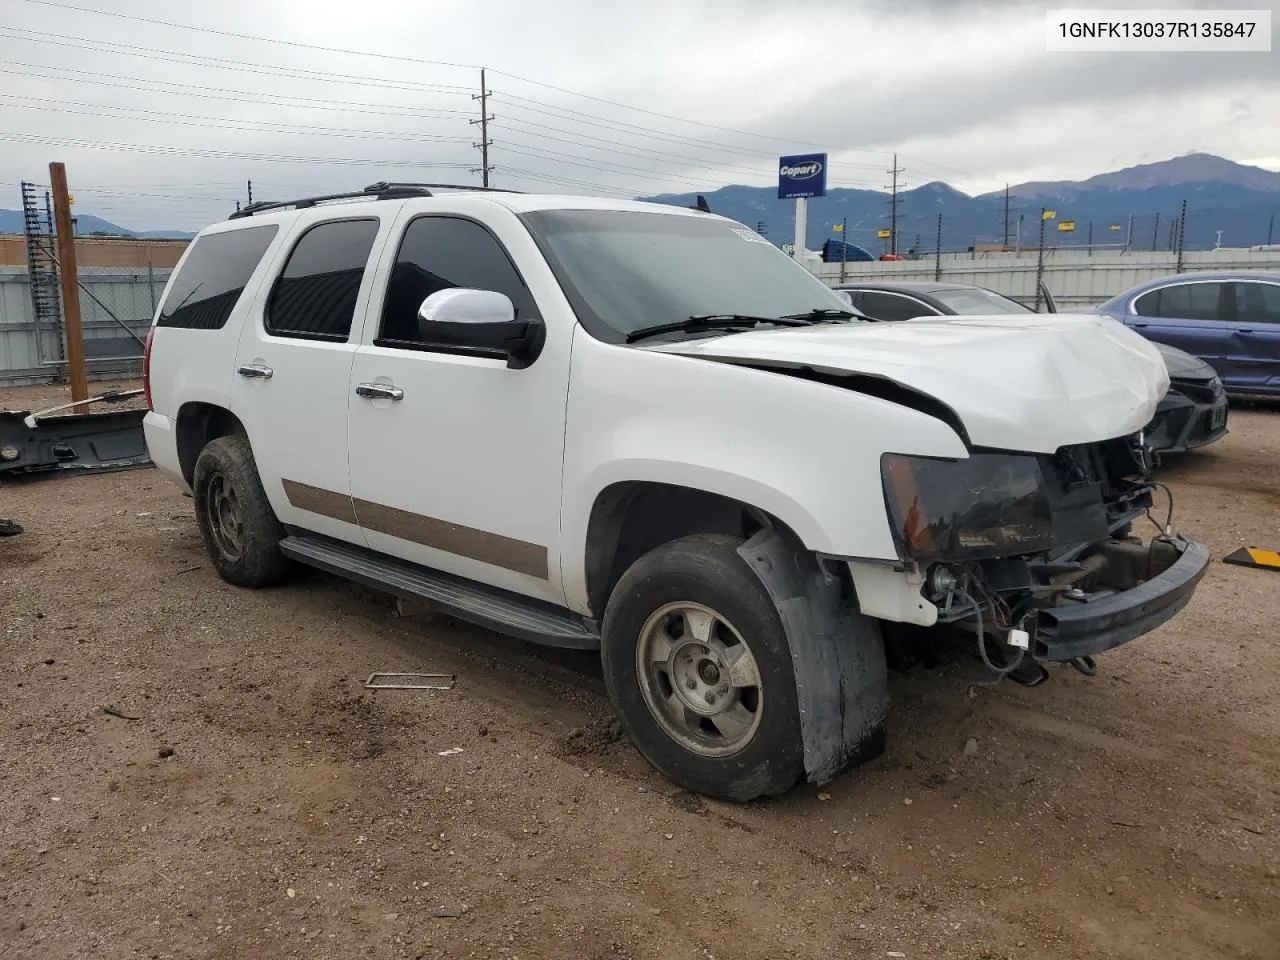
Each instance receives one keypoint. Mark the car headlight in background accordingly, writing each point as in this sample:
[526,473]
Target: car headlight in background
[990,505]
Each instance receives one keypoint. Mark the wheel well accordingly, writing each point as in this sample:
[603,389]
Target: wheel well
[199,423]
[630,519]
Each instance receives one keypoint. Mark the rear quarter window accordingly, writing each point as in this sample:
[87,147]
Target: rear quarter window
[213,276]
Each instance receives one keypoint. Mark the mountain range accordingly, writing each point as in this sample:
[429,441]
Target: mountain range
[88,225]
[1143,202]
[1242,201]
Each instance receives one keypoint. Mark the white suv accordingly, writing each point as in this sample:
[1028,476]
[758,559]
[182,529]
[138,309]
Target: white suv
[645,430]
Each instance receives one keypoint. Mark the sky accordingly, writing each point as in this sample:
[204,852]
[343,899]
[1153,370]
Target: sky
[161,126]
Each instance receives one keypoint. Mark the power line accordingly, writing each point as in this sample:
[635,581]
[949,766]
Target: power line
[196,120]
[225,63]
[213,154]
[403,59]
[238,96]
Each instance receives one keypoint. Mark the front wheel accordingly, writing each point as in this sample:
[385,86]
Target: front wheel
[698,666]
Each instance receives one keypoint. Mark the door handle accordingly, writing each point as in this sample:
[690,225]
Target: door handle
[1138,325]
[1244,329]
[258,371]
[379,391]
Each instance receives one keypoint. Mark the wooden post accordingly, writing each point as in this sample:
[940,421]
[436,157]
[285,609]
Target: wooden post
[70,282]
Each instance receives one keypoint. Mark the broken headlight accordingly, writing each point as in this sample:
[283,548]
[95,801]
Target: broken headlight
[990,505]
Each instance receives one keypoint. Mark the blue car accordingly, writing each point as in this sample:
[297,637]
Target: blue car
[1229,320]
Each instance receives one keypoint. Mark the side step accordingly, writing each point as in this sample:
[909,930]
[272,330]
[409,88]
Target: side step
[484,606]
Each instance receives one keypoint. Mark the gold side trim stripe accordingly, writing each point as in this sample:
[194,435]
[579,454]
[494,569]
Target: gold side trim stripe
[462,541]
[492,548]
[321,501]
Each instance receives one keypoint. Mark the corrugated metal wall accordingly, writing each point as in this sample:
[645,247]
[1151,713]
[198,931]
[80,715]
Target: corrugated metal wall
[1074,278]
[128,294]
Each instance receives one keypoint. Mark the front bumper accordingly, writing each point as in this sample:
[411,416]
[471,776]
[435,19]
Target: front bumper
[1188,417]
[1064,633]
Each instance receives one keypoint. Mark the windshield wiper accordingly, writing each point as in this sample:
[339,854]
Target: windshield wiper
[818,314]
[711,321]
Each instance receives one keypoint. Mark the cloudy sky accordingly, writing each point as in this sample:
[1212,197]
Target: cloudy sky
[160,125]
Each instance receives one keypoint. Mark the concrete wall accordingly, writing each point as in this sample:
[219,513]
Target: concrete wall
[129,294]
[1075,279]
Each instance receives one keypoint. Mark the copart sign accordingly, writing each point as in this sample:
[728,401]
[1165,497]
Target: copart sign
[802,176]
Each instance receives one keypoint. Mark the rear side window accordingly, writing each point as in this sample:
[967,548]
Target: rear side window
[213,276]
[1185,301]
[439,253]
[1258,302]
[314,298]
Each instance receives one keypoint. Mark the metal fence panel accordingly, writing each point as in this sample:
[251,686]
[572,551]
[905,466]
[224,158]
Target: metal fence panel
[1075,278]
[116,306]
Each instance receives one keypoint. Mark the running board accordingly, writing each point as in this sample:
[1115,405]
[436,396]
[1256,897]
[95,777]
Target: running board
[487,607]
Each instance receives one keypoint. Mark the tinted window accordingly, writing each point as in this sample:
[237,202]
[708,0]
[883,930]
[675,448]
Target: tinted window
[213,276]
[1258,302]
[626,270]
[315,296]
[1185,301]
[890,306]
[439,253]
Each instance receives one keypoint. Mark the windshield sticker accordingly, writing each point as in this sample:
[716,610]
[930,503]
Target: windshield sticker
[750,236]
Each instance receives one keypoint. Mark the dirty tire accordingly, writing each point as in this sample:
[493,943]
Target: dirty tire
[243,538]
[705,572]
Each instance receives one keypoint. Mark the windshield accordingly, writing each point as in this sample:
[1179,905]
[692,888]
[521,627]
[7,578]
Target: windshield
[975,301]
[630,270]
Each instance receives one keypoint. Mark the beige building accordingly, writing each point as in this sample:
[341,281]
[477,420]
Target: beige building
[124,252]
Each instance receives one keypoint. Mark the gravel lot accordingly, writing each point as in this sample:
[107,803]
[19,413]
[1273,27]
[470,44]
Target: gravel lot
[255,801]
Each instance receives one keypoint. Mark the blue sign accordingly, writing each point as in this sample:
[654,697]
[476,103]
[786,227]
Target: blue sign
[802,176]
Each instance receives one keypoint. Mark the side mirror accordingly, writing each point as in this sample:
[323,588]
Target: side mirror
[481,322]
[846,296]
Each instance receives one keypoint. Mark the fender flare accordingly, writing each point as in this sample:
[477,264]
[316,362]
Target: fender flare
[837,655]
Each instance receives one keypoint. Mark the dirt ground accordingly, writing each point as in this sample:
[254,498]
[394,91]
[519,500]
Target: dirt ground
[255,801]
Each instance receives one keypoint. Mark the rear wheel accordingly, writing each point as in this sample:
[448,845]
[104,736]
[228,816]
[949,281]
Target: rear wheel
[238,528]
[698,666]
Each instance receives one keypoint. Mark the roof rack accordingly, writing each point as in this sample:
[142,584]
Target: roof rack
[375,191]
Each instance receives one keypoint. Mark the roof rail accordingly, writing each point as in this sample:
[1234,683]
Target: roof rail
[383,185]
[375,191]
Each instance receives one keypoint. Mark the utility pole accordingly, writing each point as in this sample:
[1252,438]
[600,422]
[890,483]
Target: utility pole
[484,144]
[1040,260]
[1006,216]
[844,246]
[70,283]
[1091,238]
[250,192]
[1128,234]
[937,253]
[893,206]
[1182,234]
[1270,226]
[1155,234]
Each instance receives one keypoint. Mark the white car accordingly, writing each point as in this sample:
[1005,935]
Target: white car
[644,430]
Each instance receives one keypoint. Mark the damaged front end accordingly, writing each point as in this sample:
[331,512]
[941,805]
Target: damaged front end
[1035,553]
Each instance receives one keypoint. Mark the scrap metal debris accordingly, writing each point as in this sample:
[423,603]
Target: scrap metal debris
[77,443]
[386,681]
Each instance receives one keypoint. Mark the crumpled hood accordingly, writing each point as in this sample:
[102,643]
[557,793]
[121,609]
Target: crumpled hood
[1032,383]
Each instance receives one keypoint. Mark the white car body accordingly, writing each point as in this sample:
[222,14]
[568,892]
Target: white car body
[644,431]
[525,456]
